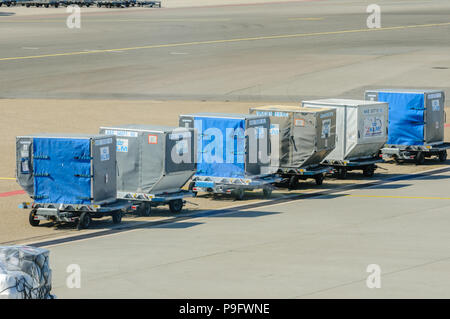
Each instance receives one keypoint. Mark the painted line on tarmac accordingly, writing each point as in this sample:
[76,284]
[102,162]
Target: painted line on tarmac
[271,37]
[13,193]
[59,20]
[8,178]
[399,197]
[236,209]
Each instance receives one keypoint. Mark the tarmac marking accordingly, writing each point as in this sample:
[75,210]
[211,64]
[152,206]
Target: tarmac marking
[13,193]
[8,178]
[399,197]
[59,20]
[272,37]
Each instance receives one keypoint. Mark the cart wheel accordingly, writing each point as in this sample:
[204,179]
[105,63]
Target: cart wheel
[368,171]
[33,222]
[319,179]
[117,217]
[191,187]
[146,210]
[342,172]
[267,192]
[443,156]
[85,221]
[176,205]
[238,193]
[419,158]
[293,182]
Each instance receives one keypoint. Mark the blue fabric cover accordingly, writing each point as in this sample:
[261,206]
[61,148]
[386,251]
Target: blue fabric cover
[56,162]
[406,117]
[232,168]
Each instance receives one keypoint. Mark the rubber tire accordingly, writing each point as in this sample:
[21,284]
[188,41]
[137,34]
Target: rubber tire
[176,205]
[31,219]
[319,179]
[443,156]
[369,171]
[85,221]
[267,192]
[342,173]
[117,217]
[146,210]
[191,187]
[239,194]
[419,158]
[293,182]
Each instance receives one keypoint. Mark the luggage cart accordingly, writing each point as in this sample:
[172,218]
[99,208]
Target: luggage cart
[79,213]
[368,166]
[8,3]
[143,203]
[418,153]
[233,186]
[293,175]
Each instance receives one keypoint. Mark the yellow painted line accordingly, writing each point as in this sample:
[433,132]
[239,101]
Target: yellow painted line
[8,178]
[400,197]
[272,37]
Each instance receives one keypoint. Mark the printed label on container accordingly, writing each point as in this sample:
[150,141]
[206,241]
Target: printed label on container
[299,122]
[152,139]
[326,127]
[435,105]
[274,129]
[104,141]
[104,153]
[373,126]
[122,145]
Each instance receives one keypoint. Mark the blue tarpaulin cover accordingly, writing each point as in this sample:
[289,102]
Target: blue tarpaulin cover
[406,117]
[62,170]
[214,157]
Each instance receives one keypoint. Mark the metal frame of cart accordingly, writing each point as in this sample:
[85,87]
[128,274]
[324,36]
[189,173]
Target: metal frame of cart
[233,186]
[295,174]
[143,202]
[418,153]
[367,165]
[81,214]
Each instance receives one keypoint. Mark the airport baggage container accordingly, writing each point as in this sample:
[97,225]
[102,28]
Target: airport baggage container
[153,163]
[301,139]
[361,129]
[416,123]
[232,152]
[67,175]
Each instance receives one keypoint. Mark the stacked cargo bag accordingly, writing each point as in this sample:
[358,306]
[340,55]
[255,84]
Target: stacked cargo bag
[361,129]
[71,178]
[25,273]
[153,164]
[416,123]
[300,138]
[232,153]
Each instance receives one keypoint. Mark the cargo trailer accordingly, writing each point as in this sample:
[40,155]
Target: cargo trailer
[361,129]
[416,123]
[232,153]
[300,138]
[70,178]
[153,164]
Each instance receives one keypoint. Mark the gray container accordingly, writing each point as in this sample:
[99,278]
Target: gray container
[416,117]
[301,137]
[67,168]
[361,127]
[145,162]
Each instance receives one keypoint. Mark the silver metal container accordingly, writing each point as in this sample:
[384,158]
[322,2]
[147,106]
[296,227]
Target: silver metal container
[152,159]
[361,127]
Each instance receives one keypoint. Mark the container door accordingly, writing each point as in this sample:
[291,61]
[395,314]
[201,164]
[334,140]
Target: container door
[435,117]
[406,117]
[104,169]
[221,147]
[62,170]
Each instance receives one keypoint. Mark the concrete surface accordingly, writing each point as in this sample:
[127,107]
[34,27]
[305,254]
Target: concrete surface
[314,248]
[268,52]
